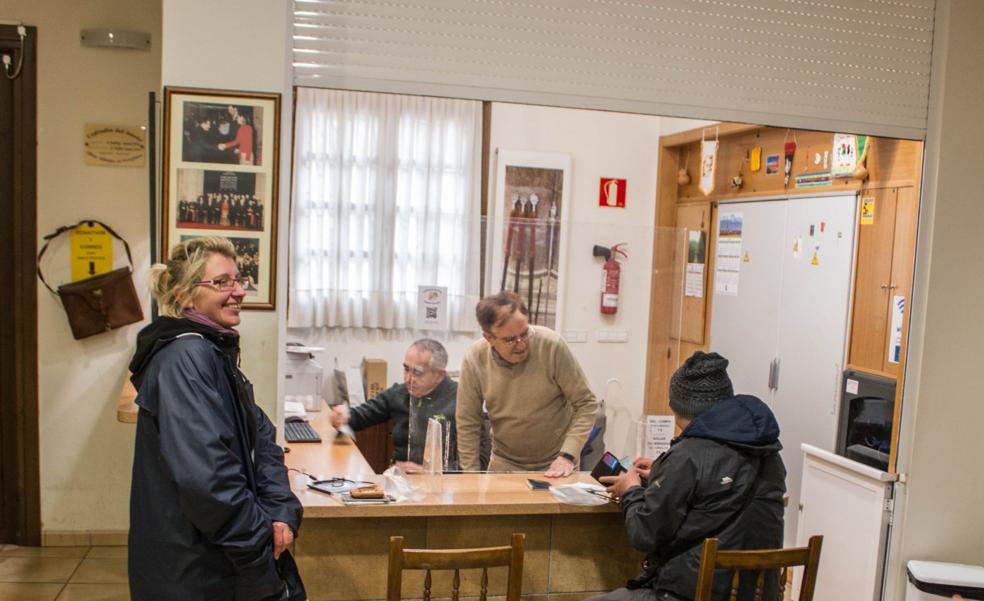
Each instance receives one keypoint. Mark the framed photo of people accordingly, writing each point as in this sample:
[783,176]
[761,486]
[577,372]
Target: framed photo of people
[221,158]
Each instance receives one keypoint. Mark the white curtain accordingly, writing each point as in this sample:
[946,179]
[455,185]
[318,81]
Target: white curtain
[386,198]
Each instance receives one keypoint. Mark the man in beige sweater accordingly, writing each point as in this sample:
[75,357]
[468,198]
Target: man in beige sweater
[538,400]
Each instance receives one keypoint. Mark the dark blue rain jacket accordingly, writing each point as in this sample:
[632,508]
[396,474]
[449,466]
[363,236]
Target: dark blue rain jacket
[208,478]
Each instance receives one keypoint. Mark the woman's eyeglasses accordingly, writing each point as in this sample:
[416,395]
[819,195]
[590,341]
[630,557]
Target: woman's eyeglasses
[226,283]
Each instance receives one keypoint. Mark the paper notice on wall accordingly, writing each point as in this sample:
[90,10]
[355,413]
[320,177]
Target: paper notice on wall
[696,250]
[432,307]
[659,433]
[727,263]
[845,155]
[895,334]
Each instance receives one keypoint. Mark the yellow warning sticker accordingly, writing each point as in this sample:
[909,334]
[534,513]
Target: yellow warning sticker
[867,211]
[92,251]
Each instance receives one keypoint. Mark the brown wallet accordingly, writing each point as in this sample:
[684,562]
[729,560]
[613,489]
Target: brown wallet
[368,492]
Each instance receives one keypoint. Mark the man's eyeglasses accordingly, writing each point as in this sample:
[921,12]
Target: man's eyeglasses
[512,340]
[226,283]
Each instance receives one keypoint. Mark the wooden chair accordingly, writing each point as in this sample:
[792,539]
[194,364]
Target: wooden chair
[761,562]
[456,559]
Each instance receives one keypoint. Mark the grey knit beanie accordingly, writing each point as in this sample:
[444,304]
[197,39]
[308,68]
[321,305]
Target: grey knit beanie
[699,383]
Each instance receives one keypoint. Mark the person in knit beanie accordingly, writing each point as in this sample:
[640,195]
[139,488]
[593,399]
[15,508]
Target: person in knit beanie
[699,383]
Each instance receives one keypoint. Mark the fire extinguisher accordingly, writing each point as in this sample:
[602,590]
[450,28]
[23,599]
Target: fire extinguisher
[611,276]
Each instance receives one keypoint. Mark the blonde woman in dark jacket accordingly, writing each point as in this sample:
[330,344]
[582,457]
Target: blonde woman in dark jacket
[211,508]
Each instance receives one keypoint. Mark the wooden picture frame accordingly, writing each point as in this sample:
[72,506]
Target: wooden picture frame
[521,176]
[221,178]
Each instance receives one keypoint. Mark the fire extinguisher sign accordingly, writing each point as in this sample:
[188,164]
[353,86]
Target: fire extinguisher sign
[612,193]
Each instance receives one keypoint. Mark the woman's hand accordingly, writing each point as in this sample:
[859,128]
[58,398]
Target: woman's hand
[283,537]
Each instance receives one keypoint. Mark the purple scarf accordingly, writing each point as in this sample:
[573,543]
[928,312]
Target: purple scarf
[199,317]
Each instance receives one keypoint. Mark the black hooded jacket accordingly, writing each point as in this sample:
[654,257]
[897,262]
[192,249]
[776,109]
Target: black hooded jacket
[722,478]
[208,479]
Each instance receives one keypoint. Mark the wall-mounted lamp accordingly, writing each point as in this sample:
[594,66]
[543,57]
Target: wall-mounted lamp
[115,38]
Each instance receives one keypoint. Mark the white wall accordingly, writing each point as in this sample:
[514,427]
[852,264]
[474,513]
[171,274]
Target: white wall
[943,413]
[241,45]
[85,453]
[601,144]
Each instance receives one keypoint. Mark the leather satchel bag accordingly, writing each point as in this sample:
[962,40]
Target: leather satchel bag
[100,303]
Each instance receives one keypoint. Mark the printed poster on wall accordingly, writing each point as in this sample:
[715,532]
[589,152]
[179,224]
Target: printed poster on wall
[696,251]
[895,337]
[845,155]
[727,262]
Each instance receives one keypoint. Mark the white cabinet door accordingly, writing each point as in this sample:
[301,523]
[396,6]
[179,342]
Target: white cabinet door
[813,319]
[745,320]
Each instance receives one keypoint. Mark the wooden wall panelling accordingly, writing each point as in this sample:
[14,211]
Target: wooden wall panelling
[661,305]
[873,272]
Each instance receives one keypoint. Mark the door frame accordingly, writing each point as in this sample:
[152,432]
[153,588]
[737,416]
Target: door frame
[22,451]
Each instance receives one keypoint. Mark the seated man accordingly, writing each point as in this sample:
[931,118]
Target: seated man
[426,392]
[538,400]
[721,478]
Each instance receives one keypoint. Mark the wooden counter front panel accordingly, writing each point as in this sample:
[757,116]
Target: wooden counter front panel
[573,555]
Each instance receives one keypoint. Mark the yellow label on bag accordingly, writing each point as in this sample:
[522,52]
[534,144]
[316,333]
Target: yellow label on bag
[92,251]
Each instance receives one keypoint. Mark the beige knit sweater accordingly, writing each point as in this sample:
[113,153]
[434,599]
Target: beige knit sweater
[537,408]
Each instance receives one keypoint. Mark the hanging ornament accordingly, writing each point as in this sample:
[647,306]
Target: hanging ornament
[737,180]
[708,162]
[683,178]
[861,170]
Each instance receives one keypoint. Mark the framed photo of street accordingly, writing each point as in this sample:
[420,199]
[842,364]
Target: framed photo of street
[221,158]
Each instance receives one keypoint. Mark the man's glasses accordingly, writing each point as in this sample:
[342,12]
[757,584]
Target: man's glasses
[512,340]
[415,371]
[226,283]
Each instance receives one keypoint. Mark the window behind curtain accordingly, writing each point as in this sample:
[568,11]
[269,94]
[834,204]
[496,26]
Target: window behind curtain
[386,198]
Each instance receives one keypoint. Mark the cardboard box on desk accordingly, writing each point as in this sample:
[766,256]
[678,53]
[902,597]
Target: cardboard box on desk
[375,442]
[373,377]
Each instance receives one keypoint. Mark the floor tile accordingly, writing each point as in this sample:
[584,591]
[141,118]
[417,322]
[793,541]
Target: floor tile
[106,553]
[37,569]
[15,551]
[95,592]
[20,591]
[101,571]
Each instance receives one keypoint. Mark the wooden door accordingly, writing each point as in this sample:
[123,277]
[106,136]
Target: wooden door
[20,505]
[873,275]
[903,263]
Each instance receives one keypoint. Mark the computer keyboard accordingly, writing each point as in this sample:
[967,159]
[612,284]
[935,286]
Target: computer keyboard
[300,432]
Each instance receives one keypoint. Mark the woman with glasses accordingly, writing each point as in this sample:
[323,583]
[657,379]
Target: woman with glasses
[211,510]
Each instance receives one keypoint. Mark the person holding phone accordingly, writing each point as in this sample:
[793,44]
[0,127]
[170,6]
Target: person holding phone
[538,400]
[722,477]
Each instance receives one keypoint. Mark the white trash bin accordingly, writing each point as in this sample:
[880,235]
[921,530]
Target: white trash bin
[934,580]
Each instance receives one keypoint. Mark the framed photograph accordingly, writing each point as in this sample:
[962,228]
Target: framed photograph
[528,223]
[221,160]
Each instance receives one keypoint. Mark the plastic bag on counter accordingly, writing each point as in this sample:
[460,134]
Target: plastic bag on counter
[398,486]
[580,493]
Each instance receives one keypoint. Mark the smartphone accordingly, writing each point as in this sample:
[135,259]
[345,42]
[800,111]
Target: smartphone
[537,484]
[608,465]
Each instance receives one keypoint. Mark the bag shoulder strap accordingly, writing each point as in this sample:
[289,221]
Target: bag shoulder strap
[67,228]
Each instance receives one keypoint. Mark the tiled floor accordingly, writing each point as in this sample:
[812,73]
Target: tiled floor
[63,573]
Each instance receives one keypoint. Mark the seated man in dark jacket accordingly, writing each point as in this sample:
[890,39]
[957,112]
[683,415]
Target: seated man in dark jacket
[722,477]
[426,392]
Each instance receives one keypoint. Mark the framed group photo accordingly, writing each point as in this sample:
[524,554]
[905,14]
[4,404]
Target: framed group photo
[528,223]
[221,158]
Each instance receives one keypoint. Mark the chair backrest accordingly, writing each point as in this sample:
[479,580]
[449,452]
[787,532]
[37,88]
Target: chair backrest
[761,562]
[456,559]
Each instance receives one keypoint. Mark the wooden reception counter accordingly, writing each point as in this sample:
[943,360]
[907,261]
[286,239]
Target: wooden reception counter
[572,552]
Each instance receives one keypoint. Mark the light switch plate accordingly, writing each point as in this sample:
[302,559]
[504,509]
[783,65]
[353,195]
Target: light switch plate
[572,336]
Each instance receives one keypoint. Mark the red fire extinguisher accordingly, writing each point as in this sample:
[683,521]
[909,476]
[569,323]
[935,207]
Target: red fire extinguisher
[611,276]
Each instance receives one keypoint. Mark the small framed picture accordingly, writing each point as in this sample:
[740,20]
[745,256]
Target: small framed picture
[221,160]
